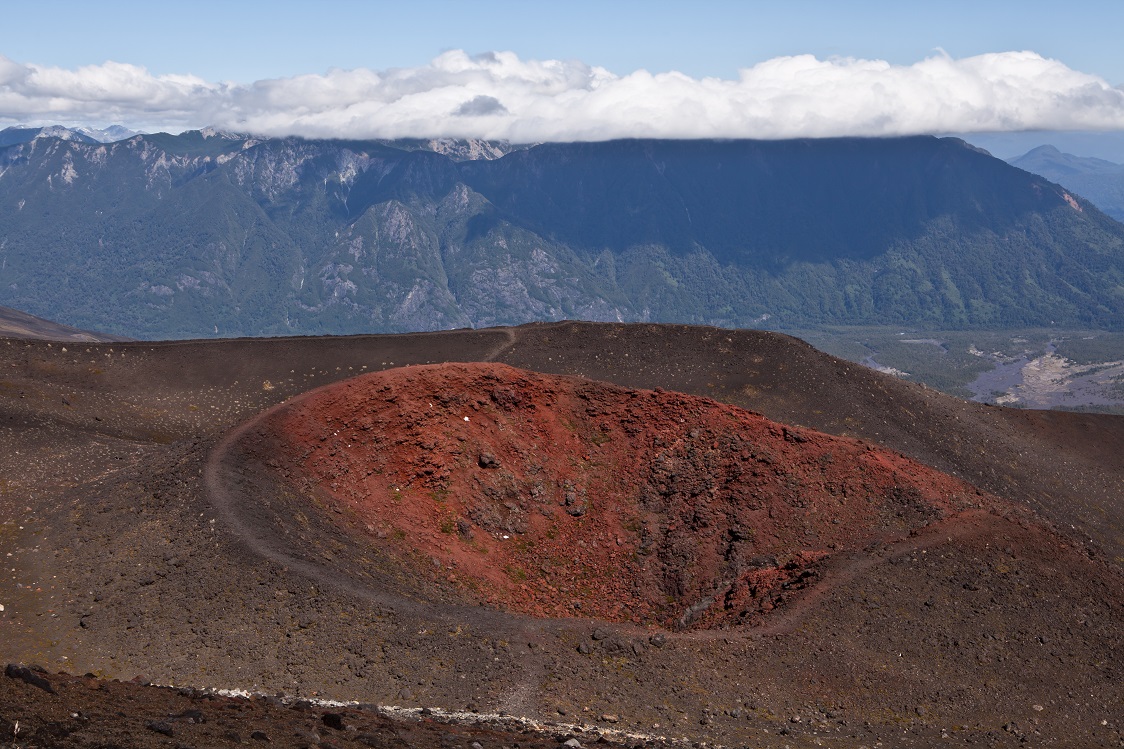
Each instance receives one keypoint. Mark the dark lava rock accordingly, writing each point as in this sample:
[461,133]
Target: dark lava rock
[25,674]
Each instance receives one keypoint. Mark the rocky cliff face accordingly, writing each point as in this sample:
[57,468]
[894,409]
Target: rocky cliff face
[211,233]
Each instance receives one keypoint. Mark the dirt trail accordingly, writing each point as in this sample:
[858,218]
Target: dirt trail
[493,353]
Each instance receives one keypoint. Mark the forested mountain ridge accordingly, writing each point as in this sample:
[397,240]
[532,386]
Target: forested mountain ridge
[208,233]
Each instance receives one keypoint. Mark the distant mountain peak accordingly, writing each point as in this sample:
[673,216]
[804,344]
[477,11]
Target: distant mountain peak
[111,134]
[213,132]
[62,133]
[21,134]
[1048,152]
[1100,181]
[458,149]
[79,134]
[470,149]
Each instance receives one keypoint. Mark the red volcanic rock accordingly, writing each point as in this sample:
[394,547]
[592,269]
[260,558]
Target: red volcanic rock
[561,496]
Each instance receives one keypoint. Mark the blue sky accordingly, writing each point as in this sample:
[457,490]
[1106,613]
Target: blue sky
[247,41]
[577,69]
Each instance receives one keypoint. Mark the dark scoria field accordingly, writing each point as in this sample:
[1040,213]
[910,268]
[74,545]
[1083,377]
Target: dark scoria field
[575,532]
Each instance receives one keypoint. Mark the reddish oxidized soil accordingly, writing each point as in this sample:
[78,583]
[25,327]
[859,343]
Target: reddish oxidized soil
[557,496]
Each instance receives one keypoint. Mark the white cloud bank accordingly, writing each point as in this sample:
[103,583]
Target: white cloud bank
[499,96]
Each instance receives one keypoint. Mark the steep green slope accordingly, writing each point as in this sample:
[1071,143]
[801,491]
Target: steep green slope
[206,233]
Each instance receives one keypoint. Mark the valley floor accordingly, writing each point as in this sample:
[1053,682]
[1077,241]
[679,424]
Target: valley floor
[1079,370]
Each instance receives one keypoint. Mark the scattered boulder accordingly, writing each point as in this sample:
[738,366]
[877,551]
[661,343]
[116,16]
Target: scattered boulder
[29,676]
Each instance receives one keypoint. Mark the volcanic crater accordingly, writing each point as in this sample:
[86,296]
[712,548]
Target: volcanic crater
[559,496]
